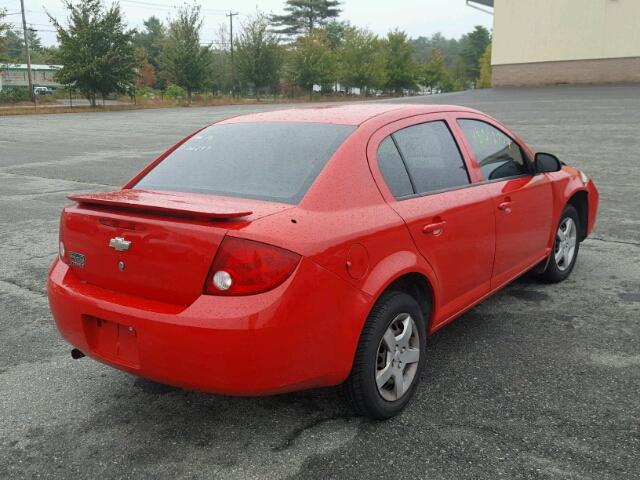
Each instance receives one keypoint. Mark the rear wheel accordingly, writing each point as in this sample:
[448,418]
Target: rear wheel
[389,359]
[565,248]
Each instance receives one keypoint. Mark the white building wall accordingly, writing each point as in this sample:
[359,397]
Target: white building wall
[527,31]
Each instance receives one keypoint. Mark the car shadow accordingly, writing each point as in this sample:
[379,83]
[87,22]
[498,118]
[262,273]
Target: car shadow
[444,347]
[240,433]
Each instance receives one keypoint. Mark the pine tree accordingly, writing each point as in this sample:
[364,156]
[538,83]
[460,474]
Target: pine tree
[302,17]
[14,49]
[473,45]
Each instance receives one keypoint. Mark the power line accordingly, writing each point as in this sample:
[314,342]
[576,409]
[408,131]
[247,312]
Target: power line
[141,3]
[19,29]
[34,24]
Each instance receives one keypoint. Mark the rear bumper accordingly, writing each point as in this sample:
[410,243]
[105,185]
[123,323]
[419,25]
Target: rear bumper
[302,334]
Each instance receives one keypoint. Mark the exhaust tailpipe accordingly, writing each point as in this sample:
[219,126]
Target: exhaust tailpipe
[76,354]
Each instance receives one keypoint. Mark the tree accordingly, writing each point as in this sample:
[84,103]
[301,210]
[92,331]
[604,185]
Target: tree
[4,28]
[96,52]
[14,47]
[221,78]
[362,60]
[400,65]
[259,55]
[146,73]
[15,51]
[152,39]
[484,80]
[424,46]
[473,45]
[302,17]
[336,31]
[312,61]
[183,60]
[434,72]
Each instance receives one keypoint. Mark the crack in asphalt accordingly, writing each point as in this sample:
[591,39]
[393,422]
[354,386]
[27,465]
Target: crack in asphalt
[621,242]
[290,439]
[26,196]
[13,284]
[56,178]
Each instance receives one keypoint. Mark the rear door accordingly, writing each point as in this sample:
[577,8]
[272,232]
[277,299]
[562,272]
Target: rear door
[426,181]
[522,201]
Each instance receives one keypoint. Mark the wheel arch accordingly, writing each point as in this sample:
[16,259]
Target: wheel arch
[418,286]
[580,201]
[414,283]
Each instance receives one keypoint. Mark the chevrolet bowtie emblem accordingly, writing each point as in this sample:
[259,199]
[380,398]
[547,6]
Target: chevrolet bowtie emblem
[119,244]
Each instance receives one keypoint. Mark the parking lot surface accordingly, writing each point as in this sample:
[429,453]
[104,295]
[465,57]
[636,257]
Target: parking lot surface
[540,381]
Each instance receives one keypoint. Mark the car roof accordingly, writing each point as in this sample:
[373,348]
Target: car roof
[345,114]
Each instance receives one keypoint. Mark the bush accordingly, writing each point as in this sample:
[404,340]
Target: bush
[148,92]
[175,91]
[14,95]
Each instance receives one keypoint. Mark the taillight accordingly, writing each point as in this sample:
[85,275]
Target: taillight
[62,251]
[245,267]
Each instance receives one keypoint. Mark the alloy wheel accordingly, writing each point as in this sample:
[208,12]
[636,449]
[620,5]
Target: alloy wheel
[565,247]
[397,360]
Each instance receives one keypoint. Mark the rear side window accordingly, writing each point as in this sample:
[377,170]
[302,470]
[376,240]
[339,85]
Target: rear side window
[393,169]
[432,157]
[267,161]
[497,154]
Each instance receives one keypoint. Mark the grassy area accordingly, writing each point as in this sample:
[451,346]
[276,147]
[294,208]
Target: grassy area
[45,109]
[27,108]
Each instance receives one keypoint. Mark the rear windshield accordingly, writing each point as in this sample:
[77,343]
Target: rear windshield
[266,161]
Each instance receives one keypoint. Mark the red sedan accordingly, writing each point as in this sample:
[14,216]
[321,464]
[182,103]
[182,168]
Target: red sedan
[312,247]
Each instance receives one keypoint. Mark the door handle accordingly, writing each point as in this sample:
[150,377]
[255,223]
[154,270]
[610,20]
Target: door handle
[505,207]
[434,229]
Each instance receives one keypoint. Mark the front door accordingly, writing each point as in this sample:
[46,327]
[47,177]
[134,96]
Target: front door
[522,201]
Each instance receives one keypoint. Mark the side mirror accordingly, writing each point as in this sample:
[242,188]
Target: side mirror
[545,162]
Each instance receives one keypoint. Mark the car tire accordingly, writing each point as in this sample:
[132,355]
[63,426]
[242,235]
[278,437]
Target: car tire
[565,247]
[387,350]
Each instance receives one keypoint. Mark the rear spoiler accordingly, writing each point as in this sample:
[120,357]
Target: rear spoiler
[163,203]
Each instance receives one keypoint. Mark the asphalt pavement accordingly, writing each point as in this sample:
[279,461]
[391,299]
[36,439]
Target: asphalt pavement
[539,381]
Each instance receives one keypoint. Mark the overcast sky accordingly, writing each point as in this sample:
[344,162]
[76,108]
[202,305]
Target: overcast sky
[417,17]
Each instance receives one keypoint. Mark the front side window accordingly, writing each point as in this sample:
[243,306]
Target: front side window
[497,154]
[432,157]
[267,161]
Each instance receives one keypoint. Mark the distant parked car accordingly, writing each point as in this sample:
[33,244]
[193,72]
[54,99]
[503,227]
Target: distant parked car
[303,248]
[42,91]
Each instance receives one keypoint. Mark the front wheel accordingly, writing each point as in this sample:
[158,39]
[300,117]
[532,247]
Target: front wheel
[389,359]
[565,248]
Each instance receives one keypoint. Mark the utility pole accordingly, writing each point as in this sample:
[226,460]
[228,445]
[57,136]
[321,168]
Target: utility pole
[26,46]
[233,63]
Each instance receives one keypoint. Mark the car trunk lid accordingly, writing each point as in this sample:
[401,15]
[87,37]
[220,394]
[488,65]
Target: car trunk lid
[156,245]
